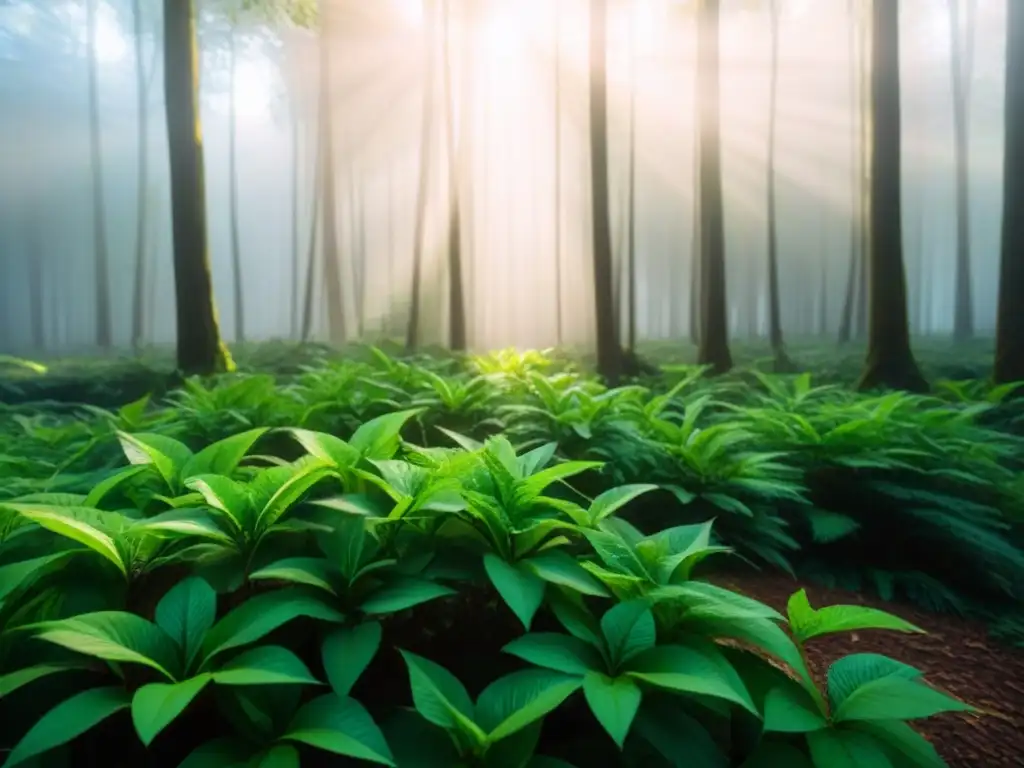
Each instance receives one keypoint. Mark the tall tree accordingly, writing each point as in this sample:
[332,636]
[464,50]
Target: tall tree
[782,361]
[962,64]
[331,254]
[236,243]
[200,350]
[713,349]
[890,361]
[631,281]
[558,173]
[609,352]
[1009,362]
[456,289]
[853,302]
[104,327]
[142,192]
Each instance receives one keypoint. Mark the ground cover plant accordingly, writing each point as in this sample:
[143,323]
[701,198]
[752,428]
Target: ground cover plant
[272,567]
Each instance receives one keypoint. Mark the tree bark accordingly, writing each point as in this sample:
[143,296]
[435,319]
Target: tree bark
[961,59]
[1009,360]
[890,362]
[236,244]
[456,289]
[200,350]
[609,353]
[714,337]
[142,194]
[104,328]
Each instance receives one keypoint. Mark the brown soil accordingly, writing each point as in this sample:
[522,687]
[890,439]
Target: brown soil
[955,655]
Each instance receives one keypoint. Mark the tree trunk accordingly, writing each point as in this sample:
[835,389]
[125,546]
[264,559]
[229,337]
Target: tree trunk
[413,326]
[856,179]
[36,298]
[631,204]
[1009,361]
[236,245]
[331,256]
[314,226]
[609,352]
[456,290]
[714,337]
[200,350]
[890,362]
[104,328]
[961,60]
[142,193]
[296,258]
[559,322]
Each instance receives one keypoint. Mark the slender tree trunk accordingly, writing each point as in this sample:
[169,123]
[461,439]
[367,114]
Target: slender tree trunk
[890,362]
[609,352]
[296,249]
[631,214]
[331,253]
[104,328]
[236,245]
[558,175]
[856,175]
[311,250]
[413,327]
[714,337]
[36,297]
[961,60]
[774,312]
[697,235]
[142,193]
[1009,360]
[456,290]
[200,350]
[865,189]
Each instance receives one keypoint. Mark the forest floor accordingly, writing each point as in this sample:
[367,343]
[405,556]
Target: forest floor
[956,655]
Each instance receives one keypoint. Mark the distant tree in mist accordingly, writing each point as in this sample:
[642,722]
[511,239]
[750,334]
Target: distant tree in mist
[101,251]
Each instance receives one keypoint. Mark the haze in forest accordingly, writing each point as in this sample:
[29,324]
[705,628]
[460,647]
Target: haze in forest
[508,85]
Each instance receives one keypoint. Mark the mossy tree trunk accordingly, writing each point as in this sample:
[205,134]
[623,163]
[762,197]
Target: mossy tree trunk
[890,361]
[200,350]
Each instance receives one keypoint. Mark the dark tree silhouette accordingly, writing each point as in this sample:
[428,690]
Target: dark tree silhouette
[961,63]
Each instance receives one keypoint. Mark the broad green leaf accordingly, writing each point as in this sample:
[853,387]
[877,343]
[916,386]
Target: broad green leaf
[828,526]
[342,726]
[708,601]
[16,574]
[184,523]
[379,438]
[261,615]
[266,665]
[166,454]
[535,484]
[68,720]
[788,708]
[289,493]
[677,736]
[808,623]
[691,670]
[611,501]
[849,673]
[616,553]
[278,756]
[346,654]
[59,521]
[904,740]
[115,636]
[19,678]
[562,653]
[223,456]
[894,697]
[224,495]
[628,630]
[533,461]
[403,593]
[563,569]
[521,590]
[439,697]
[574,616]
[108,485]
[614,702]
[186,613]
[218,753]
[155,706]
[515,701]
[833,748]
[416,743]
[310,571]
[327,448]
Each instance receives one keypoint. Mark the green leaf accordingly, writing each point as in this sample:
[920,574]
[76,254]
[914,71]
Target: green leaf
[903,739]
[327,447]
[114,636]
[186,613]
[894,697]
[14,575]
[612,500]
[155,706]
[686,669]
[223,456]
[184,523]
[379,438]
[616,553]
[59,520]
[788,708]
[563,569]
[108,485]
[342,726]
[828,526]
[261,615]
[849,673]
[68,720]
[515,701]
[347,652]
[290,492]
[310,571]
[574,616]
[417,743]
[19,678]
[708,601]
[279,756]
[807,623]
[628,630]
[224,495]
[440,698]
[402,593]
[166,454]
[218,753]
[266,665]
[562,653]
[833,748]
[614,702]
[774,754]
[521,590]
[679,737]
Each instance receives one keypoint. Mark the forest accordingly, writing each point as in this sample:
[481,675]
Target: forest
[512,383]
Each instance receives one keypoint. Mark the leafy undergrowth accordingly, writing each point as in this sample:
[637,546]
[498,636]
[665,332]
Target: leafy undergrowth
[283,596]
